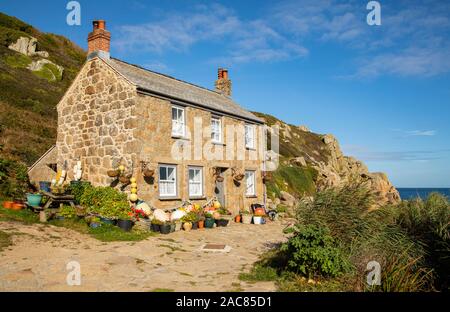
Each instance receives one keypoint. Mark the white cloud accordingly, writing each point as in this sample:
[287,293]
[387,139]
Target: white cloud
[242,41]
[421,133]
[415,34]
[413,39]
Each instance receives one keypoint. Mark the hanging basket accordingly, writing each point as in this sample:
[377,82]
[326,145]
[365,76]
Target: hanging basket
[112,173]
[148,173]
[239,177]
[219,179]
[125,179]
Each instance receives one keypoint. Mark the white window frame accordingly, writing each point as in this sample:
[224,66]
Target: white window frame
[178,125]
[168,181]
[250,183]
[216,136]
[199,183]
[250,136]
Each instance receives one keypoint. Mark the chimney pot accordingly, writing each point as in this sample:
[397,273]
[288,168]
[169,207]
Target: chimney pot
[99,40]
[223,84]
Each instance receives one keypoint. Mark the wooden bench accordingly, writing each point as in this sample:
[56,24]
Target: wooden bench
[57,199]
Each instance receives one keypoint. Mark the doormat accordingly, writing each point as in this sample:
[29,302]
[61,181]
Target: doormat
[215,248]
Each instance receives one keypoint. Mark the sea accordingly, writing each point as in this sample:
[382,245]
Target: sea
[410,193]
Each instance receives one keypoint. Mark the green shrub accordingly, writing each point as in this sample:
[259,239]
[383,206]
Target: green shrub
[427,222]
[312,251]
[13,179]
[67,212]
[104,201]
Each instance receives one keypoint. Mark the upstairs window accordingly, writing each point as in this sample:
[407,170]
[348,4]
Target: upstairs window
[249,136]
[178,121]
[167,180]
[216,130]
[250,189]
[195,182]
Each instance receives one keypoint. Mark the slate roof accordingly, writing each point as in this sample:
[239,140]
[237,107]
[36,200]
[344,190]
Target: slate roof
[180,90]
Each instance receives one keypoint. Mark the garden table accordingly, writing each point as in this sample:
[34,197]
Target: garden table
[57,199]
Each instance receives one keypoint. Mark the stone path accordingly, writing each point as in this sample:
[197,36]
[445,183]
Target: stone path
[38,257]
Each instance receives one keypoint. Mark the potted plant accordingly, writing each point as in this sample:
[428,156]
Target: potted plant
[201,222]
[246,216]
[94,222]
[187,221]
[224,218]
[258,217]
[155,225]
[209,220]
[34,199]
[165,227]
[192,218]
[178,225]
[125,221]
[66,212]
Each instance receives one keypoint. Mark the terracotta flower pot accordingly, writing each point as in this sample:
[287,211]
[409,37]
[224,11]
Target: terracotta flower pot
[237,219]
[17,206]
[187,226]
[201,224]
[8,204]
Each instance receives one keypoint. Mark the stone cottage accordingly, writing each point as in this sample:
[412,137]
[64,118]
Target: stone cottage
[196,141]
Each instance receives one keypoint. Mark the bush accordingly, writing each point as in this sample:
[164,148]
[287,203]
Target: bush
[104,201]
[427,222]
[13,179]
[312,251]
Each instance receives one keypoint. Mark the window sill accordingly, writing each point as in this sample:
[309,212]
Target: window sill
[250,148]
[251,196]
[218,143]
[197,197]
[168,198]
[180,137]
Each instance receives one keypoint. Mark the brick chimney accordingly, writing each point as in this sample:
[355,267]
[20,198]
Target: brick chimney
[99,40]
[223,84]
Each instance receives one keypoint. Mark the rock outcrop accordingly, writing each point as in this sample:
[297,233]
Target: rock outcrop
[40,65]
[27,46]
[342,169]
[301,148]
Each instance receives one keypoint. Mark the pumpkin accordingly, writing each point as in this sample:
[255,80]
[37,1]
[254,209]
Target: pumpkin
[133,185]
[133,197]
[133,190]
[217,205]
[133,180]
[121,167]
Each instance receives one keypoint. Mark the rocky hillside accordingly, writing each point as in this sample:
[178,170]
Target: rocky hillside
[35,70]
[311,162]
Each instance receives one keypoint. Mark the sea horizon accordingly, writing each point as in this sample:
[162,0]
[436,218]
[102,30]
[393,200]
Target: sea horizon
[421,192]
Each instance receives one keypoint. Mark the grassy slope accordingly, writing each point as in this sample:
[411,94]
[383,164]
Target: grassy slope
[27,99]
[297,180]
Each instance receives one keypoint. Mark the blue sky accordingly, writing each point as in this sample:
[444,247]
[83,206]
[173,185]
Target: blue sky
[383,91]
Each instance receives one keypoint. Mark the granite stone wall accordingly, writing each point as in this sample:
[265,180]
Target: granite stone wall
[96,120]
